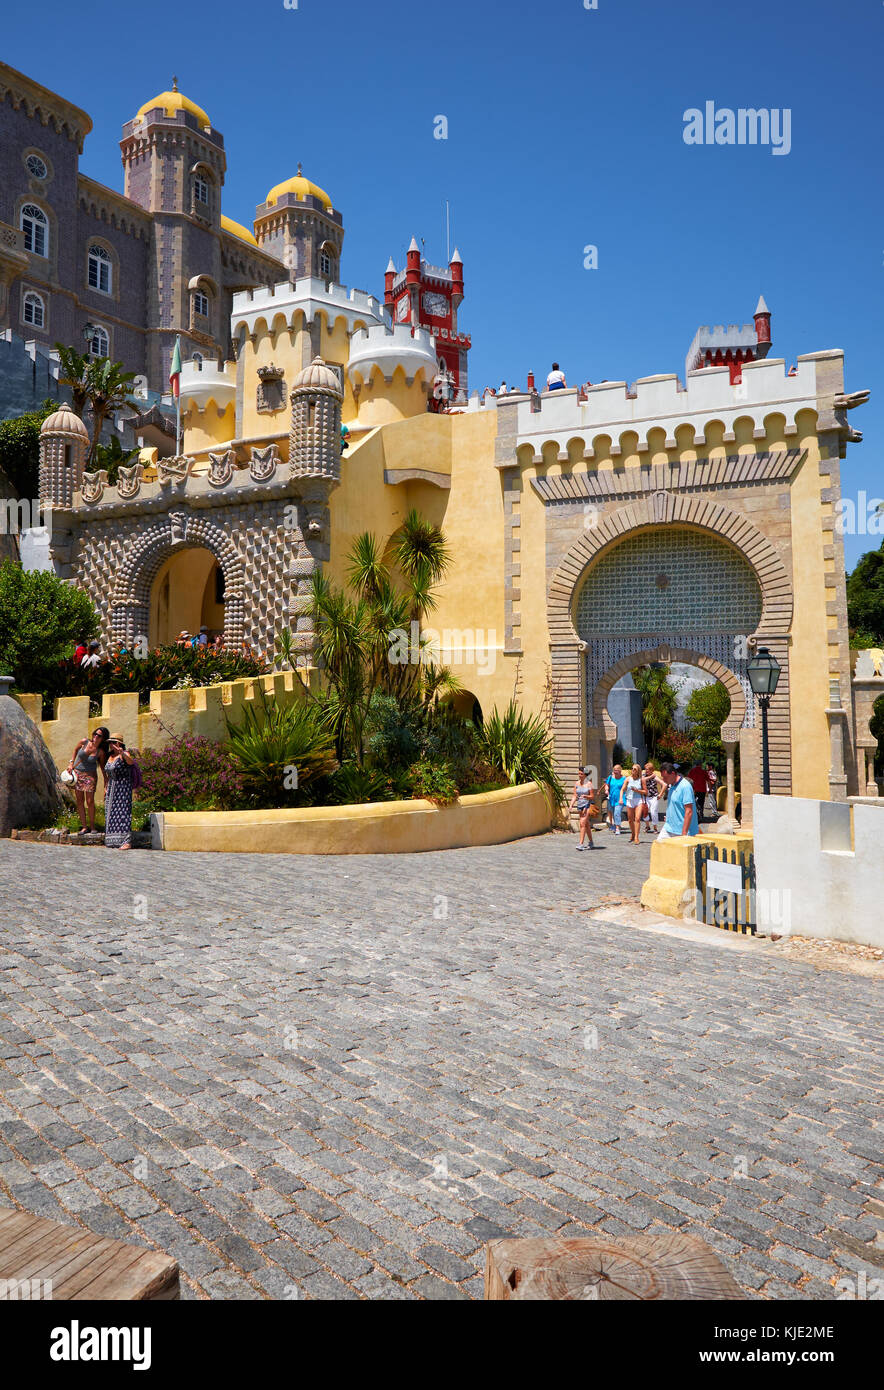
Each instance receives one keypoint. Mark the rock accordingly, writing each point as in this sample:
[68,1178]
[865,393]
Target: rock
[30,792]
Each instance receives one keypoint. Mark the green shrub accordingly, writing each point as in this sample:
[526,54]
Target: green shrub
[20,449]
[192,773]
[520,745]
[279,749]
[352,785]
[433,781]
[41,620]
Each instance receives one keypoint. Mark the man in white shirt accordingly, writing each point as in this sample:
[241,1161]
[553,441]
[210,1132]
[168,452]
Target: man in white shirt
[556,379]
[91,658]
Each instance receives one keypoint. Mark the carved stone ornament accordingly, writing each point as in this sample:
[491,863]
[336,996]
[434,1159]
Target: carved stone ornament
[173,470]
[129,480]
[271,389]
[262,465]
[93,485]
[178,526]
[221,467]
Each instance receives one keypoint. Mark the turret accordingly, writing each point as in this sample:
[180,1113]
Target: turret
[455,265]
[413,264]
[64,442]
[315,438]
[762,325]
[389,276]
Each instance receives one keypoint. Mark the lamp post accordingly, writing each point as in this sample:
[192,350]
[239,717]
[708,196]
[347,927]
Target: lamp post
[764,672]
[89,332]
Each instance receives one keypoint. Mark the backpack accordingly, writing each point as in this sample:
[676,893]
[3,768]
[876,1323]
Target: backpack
[135,774]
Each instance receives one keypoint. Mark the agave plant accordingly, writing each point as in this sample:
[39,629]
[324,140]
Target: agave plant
[520,745]
[278,749]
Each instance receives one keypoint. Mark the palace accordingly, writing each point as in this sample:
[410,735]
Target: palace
[591,530]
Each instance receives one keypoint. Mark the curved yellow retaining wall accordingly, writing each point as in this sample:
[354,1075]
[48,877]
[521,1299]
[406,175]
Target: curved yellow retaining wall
[385,827]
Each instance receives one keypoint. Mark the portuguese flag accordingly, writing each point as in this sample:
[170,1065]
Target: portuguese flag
[175,373]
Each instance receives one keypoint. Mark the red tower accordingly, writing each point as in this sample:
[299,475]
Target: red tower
[428,296]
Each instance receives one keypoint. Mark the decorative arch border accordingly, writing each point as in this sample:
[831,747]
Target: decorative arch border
[151,547]
[699,513]
[736,718]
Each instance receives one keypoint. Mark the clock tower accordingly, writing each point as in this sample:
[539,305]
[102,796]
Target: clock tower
[428,296]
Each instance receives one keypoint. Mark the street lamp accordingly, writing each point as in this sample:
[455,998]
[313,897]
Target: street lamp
[764,672]
[89,332]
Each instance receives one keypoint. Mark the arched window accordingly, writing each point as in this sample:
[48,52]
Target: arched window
[201,304]
[201,190]
[99,343]
[101,268]
[35,225]
[197,358]
[34,309]
[325,263]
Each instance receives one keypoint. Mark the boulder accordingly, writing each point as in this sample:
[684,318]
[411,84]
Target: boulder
[30,790]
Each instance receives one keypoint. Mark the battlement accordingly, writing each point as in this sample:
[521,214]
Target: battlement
[720,339]
[391,346]
[309,296]
[202,382]
[661,402]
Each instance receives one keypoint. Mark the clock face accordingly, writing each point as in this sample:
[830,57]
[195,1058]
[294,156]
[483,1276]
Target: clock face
[402,308]
[435,305]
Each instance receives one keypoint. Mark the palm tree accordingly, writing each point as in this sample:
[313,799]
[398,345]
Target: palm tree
[659,701]
[109,390]
[75,375]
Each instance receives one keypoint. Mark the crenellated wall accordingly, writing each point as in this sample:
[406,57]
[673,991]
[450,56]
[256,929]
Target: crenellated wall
[173,713]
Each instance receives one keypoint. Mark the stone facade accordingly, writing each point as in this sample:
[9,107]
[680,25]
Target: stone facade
[161,245]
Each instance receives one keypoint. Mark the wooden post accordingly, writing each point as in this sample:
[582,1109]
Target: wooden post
[642,1268]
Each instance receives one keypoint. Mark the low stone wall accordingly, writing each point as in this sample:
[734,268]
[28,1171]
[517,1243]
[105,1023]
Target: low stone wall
[671,886]
[196,710]
[823,861]
[385,827]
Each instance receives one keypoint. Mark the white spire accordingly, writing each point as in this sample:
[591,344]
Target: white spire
[414,246]
[390,265]
[761,307]
[456,257]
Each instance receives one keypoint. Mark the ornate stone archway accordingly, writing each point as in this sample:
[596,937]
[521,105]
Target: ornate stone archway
[577,717]
[178,530]
[603,720]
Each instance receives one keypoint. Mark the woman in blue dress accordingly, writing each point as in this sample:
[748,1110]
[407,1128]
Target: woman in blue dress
[118,799]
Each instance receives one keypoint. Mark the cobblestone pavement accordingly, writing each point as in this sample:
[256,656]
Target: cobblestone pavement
[336,1078]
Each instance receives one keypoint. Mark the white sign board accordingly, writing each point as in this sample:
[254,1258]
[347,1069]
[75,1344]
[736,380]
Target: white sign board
[726,877]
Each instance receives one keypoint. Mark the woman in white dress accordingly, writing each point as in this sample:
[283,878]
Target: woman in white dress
[633,795]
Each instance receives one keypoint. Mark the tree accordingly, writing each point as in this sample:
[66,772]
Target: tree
[364,636]
[112,457]
[96,384]
[20,449]
[41,621]
[865,600]
[707,709]
[74,374]
[659,701]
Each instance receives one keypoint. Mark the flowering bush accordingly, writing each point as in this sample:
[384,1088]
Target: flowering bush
[190,774]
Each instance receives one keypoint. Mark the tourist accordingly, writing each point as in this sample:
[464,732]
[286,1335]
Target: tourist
[218,644]
[79,652]
[633,795]
[556,379]
[92,657]
[615,782]
[118,799]
[700,783]
[503,389]
[583,798]
[183,638]
[89,755]
[652,793]
[203,638]
[712,779]
[681,807]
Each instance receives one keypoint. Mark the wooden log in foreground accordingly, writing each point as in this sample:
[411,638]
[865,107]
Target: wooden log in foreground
[641,1268]
[40,1258]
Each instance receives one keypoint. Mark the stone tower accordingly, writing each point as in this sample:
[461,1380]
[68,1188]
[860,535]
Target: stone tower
[64,442]
[315,461]
[297,224]
[174,165]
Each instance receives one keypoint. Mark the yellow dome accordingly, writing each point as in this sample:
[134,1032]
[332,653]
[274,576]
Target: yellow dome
[302,188]
[174,101]
[237,229]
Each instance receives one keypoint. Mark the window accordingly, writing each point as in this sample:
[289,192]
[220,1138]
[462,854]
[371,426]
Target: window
[100,269]
[197,358]
[201,191]
[36,167]
[326,264]
[99,343]
[35,226]
[34,310]
[201,304]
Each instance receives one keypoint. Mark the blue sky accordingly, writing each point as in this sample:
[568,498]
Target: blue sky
[564,129]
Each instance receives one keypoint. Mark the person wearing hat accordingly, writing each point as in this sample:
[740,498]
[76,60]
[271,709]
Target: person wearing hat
[118,798]
[583,799]
[203,637]
[92,657]
[183,638]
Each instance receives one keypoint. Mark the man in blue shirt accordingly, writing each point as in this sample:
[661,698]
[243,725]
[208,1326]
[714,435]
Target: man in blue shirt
[681,804]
